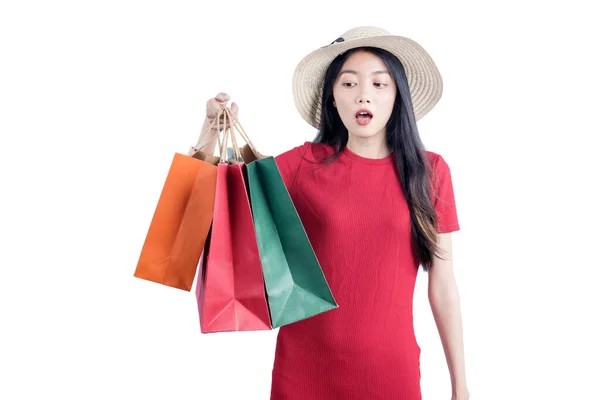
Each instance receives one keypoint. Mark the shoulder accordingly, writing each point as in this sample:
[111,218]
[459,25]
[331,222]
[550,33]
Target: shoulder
[308,151]
[432,156]
[290,161]
[294,152]
[437,162]
[439,170]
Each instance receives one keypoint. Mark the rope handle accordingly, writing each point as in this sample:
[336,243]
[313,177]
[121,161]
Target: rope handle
[227,134]
[236,123]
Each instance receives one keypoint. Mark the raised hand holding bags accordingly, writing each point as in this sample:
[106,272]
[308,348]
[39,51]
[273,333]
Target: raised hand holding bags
[258,270]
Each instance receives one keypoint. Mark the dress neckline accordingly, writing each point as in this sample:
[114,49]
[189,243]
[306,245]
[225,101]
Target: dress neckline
[350,154]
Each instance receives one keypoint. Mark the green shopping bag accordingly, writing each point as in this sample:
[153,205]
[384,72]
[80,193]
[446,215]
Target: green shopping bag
[295,283]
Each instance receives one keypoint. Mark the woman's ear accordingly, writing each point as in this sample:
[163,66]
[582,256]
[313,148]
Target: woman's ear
[334,104]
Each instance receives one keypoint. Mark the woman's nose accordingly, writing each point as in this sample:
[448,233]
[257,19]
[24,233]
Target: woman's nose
[363,96]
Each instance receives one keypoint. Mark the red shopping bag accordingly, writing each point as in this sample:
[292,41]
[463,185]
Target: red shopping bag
[230,287]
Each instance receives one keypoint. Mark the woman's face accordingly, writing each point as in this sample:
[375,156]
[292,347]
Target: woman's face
[364,82]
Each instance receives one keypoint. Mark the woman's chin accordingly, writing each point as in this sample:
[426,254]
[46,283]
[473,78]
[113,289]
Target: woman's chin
[363,134]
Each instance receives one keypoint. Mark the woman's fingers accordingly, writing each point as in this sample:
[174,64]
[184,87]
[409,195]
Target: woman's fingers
[234,109]
[215,105]
[222,97]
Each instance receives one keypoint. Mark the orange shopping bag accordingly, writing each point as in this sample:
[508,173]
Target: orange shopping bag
[181,222]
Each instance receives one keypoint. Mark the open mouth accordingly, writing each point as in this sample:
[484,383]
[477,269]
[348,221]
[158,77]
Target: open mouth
[363,116]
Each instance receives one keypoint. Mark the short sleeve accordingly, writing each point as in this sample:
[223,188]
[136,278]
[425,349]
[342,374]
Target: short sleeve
[289,163]
[443,199]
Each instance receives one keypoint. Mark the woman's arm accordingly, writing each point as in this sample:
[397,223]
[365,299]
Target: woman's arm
[445,305]
[208,139]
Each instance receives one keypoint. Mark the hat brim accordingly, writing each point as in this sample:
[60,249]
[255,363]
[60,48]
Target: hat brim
[424,79]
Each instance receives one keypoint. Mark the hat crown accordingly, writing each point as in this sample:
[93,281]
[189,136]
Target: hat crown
[362,32]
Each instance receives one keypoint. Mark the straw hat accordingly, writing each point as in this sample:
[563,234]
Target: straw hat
[424,79]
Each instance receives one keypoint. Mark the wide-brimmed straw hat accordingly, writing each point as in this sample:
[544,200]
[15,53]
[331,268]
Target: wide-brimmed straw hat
[424,79]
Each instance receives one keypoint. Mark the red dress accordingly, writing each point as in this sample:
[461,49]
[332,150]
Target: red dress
[357,220]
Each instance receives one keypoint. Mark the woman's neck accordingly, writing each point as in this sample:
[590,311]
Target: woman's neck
[369,147]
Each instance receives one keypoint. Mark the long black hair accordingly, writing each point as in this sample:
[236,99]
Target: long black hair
[402,137]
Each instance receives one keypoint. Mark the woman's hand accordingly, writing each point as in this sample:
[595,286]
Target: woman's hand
[208,137]
[217,103]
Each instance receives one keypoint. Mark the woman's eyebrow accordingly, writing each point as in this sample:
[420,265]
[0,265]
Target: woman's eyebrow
[351,71]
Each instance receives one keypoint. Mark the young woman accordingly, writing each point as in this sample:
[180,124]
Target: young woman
[375,205]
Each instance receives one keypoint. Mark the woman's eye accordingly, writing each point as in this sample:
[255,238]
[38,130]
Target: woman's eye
[377,84]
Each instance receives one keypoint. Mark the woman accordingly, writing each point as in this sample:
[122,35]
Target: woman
[375,205]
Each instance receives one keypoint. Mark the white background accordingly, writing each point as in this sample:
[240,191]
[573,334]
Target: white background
[95,97]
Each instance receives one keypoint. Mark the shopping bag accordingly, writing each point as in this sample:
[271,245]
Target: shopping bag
[230,288]
[295,284]
[180,224]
